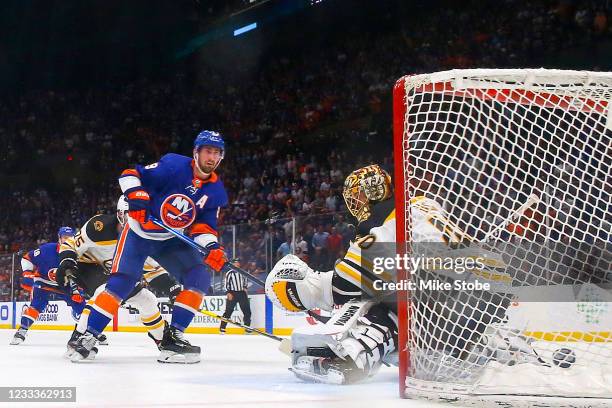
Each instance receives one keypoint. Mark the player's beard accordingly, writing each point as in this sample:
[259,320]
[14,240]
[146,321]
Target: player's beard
[208,167]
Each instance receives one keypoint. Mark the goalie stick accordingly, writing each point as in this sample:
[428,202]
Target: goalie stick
[531,200]
[284,346]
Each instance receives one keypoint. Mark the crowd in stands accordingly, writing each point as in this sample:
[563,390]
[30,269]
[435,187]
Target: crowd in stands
[291,130]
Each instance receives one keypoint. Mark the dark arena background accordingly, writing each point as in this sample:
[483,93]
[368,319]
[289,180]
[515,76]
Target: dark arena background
[302,94]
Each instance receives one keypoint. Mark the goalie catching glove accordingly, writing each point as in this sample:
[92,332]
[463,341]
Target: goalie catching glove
[350,347]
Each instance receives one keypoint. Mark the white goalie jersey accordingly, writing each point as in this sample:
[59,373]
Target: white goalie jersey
[353,276]
[359,266]
[295,287]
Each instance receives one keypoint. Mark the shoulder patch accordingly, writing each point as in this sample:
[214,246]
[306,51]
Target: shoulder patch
[102,227]
[98,225]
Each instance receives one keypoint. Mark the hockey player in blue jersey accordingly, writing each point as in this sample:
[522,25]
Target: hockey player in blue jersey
[186,194]
[41,265]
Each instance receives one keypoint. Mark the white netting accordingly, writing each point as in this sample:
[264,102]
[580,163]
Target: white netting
[487,144]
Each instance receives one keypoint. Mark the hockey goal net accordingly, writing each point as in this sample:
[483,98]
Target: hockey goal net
[520,162]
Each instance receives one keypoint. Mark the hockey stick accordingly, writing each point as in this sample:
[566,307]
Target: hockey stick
[284,346]
[455,229]
[318,317]
[230,266]
[204,251]
[531,200]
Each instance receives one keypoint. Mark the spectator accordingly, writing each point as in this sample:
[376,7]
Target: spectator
[284,249]
[319,244]
[331,203]
[335,246]
[301,248]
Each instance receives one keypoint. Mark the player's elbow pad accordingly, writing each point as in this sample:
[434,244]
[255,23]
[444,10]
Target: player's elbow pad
[68,255]
[26,265]
[129,180]
[208,241]
[68,263]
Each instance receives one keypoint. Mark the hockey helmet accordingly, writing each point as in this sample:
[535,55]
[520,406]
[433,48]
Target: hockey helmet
[209,138]
[364,187]
[122,209]
[64,232]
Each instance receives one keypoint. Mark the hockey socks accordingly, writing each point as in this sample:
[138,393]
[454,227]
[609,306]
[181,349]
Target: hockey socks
[29,317]
[154,325]
[186,305]
[102,311]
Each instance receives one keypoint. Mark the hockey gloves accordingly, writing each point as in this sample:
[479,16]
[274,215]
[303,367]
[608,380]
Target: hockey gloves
[216,258]
[138,202]
[68,269]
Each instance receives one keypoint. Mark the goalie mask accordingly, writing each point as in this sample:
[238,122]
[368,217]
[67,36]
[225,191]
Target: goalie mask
[363,187]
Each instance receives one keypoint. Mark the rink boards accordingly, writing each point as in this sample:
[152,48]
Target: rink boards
[57,316]
[585,315]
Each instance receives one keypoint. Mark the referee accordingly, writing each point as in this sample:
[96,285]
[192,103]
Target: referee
[236,292]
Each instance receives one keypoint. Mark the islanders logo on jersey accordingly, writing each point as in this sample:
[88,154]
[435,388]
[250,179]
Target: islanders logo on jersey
[52,274]
[178,211]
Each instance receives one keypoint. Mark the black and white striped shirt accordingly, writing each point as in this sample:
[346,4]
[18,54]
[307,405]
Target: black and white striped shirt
[235,281]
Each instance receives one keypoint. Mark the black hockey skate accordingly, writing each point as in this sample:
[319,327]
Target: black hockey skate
[83,348]
[175,349]
[72,342]
[19,337]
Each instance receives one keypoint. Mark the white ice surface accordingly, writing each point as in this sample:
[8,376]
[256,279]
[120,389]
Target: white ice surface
[246,371]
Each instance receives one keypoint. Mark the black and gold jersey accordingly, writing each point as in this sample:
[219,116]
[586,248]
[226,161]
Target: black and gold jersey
[95,243]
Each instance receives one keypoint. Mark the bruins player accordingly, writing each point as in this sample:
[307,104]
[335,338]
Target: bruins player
[354,342]
[86,258]
[362,334]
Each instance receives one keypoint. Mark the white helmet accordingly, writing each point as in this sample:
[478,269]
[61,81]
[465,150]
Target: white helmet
[122,208]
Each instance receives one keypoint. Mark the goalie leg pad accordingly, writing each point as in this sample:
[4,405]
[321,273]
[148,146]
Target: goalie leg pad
[350,347]
[507,347]
[371,339]
[319,370]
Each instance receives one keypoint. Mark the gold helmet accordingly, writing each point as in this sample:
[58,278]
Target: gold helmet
[363,187]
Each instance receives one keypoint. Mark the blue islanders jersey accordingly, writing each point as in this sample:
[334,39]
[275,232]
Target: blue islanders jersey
[178,198]
[45,260]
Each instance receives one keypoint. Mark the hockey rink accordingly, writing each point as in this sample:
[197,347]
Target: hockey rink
[236,370]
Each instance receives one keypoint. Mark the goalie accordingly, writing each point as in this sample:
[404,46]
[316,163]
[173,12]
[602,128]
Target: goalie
[362,335]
